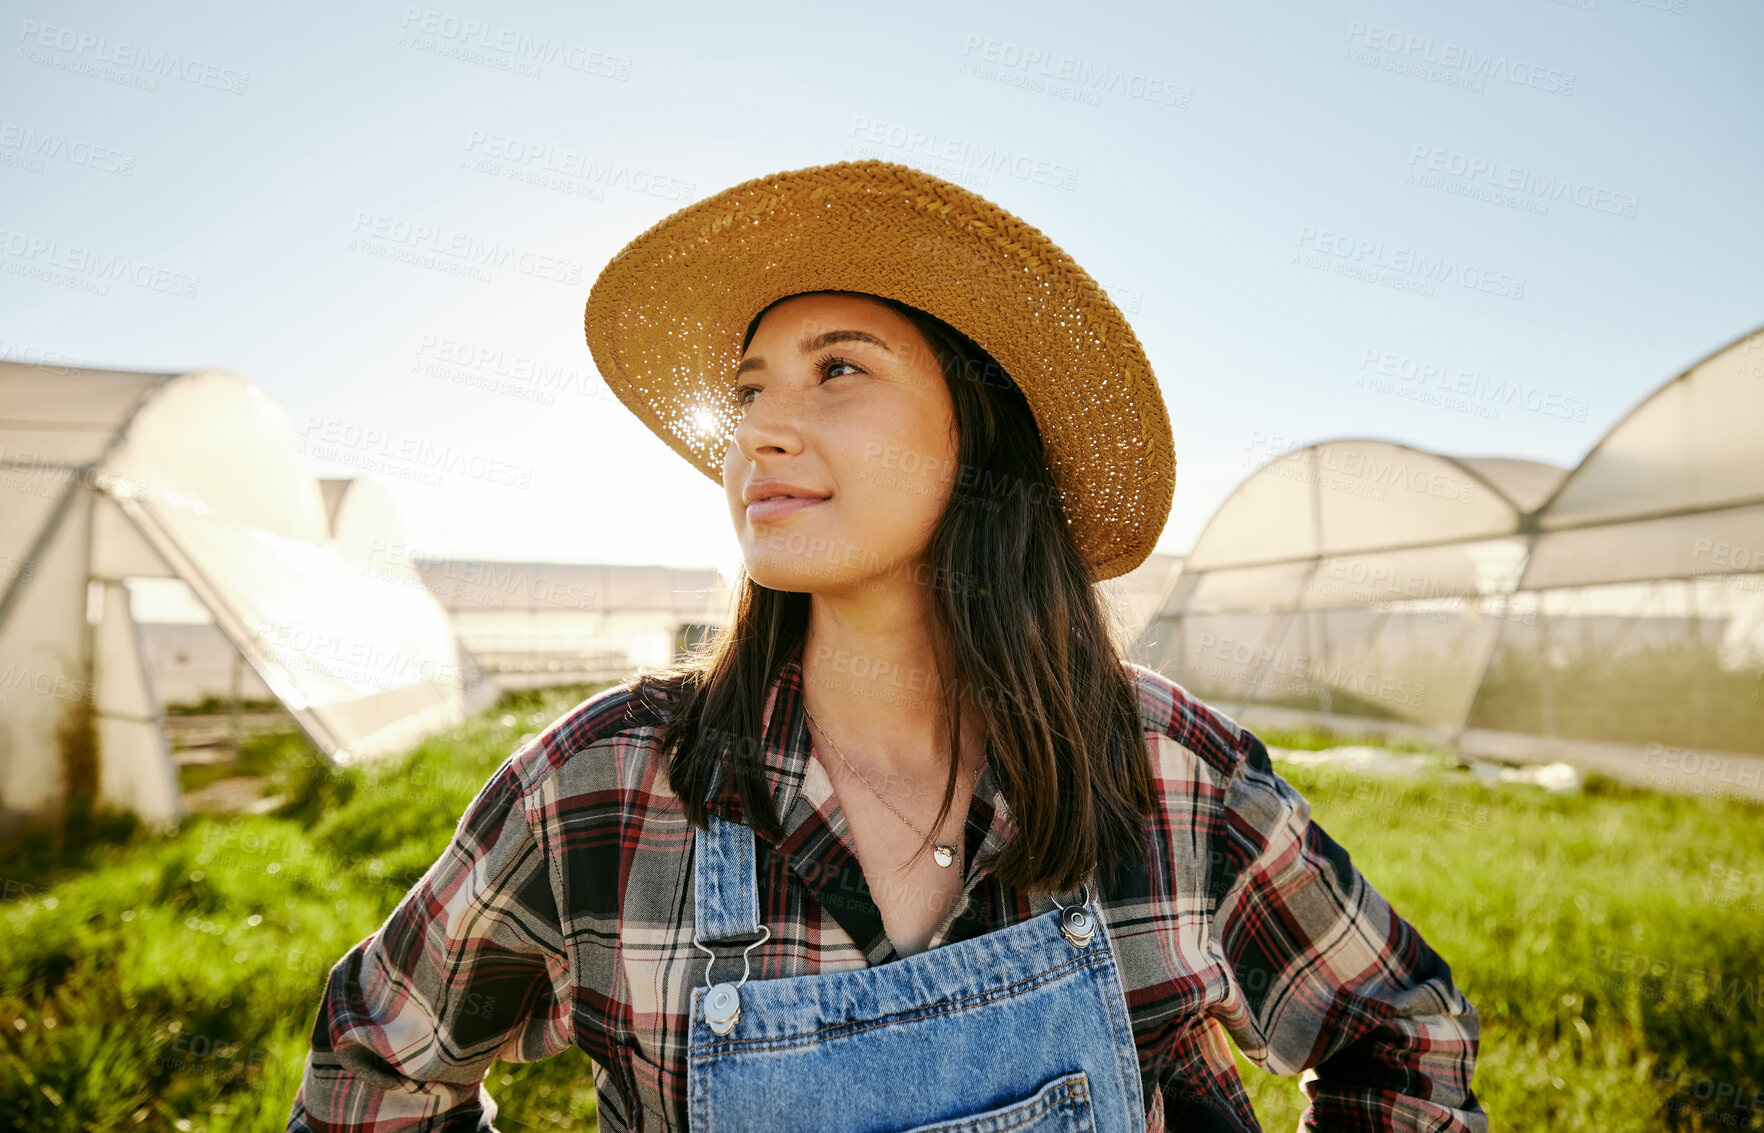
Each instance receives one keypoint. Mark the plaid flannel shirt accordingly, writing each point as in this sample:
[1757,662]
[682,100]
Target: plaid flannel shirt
[561,913]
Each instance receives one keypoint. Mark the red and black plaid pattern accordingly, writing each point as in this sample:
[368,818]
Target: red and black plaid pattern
[561,913]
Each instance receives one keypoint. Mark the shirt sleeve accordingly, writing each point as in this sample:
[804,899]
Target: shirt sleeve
[469,968]
[1327,978]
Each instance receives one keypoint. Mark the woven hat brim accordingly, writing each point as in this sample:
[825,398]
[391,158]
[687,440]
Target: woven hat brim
[665,318]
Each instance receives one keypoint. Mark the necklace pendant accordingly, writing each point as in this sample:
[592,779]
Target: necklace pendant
[944,854]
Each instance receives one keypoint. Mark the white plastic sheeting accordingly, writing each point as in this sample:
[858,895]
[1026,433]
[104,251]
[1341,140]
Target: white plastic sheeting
[1615,611]
[1346,577]
[198,477]
[536,623]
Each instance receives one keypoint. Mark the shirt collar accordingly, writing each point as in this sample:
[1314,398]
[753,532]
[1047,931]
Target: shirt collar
[785,742]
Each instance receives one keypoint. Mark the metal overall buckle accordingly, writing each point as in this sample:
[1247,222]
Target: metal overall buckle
[1077,923]
[722,1003]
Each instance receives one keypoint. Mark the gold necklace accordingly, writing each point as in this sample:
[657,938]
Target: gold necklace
[943,852]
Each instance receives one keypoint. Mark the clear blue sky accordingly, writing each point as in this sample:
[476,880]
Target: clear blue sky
[1517,216]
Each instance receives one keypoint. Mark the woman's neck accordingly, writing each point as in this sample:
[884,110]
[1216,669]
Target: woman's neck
[875,691]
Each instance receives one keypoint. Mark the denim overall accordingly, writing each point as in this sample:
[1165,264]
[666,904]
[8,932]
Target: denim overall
[1022,1030]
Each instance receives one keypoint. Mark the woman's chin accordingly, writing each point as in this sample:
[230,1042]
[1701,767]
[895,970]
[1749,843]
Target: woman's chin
[797,571]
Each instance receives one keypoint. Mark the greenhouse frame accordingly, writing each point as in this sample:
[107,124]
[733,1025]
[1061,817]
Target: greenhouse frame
[1611,615]
[112,479]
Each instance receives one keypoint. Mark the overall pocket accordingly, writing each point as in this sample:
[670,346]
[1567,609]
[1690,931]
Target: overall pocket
[1062,1105]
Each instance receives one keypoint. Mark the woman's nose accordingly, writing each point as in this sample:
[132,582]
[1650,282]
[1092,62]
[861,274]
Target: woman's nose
[770,423]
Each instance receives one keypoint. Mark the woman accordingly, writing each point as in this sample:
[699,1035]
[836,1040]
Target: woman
[975,870]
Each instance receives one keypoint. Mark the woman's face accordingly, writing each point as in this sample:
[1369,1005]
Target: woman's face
[842,398]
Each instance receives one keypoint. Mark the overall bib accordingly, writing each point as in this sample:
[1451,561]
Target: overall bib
[1022,1030]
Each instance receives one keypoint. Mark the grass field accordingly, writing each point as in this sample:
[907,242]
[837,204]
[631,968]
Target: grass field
[1611,940]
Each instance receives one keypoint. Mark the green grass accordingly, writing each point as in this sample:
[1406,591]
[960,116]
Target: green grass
[1316,739]
[170,982]
[1611,941]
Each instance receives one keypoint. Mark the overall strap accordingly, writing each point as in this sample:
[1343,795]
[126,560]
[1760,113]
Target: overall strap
[727,898]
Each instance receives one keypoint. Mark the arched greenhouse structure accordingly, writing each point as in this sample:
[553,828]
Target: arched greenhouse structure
[1611,615]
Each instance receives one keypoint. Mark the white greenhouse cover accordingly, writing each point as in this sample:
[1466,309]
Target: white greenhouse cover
[199,477]
[1615,610]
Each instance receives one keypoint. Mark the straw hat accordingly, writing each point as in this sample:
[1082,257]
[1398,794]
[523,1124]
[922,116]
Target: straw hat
[666,317]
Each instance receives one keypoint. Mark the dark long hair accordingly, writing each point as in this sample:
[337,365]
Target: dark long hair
[1022,639]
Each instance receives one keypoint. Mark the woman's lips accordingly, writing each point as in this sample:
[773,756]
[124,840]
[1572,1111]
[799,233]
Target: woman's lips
[760,511]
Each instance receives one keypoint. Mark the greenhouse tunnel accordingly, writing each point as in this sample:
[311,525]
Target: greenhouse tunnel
[1611,615]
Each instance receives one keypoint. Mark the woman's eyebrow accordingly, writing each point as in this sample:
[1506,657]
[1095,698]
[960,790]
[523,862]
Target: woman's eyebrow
[815,342]
[810,342]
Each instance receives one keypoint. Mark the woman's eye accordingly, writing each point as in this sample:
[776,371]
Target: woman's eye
[827,367]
